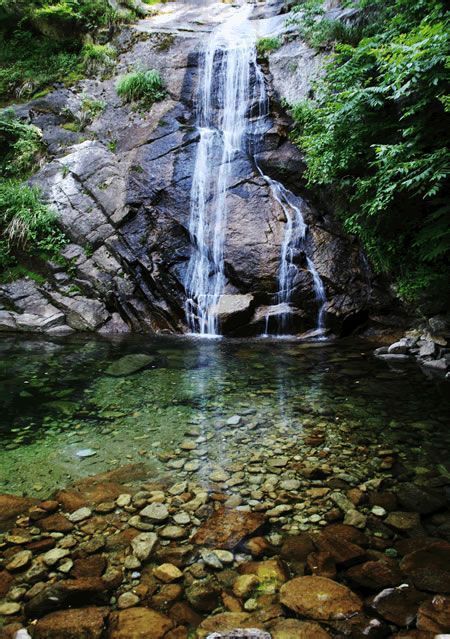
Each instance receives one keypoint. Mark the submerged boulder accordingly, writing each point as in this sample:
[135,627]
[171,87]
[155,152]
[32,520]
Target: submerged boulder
[129,364]
[319,598]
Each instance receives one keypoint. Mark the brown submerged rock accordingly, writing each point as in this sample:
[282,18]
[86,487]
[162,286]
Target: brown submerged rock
[375,575]
[93,566]
[434,615]
[429,568]
[72,592]
[297,547]
[138,623]
[227,528]
[319,598]
[6,580]
[295,629]
[344,552]
[55,523]
[78,623]
[226,622]
[11,506]
[397,605]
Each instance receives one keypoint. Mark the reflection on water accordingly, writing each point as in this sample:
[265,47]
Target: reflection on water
[240,399]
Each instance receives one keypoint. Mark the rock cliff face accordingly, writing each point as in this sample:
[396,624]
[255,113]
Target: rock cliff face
[121,190]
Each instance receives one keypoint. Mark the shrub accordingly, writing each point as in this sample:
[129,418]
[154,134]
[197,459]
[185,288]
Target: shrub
[26,223]
[30,62]
[145,87]
[376,133]
[266,45]
[20,146]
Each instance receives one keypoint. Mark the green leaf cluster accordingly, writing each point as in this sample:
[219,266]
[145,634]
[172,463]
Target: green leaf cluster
[266,45]
[376,132]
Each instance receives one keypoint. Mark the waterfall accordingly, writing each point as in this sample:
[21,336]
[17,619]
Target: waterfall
[222,122]
[232,117]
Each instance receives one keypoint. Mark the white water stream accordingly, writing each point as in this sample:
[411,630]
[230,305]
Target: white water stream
[231,86]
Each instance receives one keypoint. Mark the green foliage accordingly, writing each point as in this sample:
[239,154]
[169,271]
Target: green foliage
[144,87]
[376,132]
[26,223]
[266,45]
[30,62]
[321,32]
[20,146]
[98,57]
[41,43]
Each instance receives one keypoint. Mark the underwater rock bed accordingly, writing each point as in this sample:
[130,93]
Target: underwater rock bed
[107,559]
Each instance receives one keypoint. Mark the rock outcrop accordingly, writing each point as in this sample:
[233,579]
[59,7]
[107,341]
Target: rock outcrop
[121,188]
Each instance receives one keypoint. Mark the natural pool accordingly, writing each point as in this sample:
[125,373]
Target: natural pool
[63,417]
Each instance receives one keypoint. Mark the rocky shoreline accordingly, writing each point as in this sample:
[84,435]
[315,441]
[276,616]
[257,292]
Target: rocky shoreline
[277,545]
[428,345]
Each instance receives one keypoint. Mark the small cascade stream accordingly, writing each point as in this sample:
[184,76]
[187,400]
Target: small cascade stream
[233,117]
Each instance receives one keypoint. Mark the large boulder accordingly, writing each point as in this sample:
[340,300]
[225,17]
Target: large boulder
[233,311]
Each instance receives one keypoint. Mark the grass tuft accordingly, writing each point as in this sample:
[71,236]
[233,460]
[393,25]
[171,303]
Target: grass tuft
[144,87]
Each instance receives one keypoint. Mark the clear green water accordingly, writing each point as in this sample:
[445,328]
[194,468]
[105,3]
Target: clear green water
[56,400]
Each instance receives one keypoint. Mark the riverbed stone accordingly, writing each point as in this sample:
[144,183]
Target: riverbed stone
[12,505]
[227,622]
[79,515]
[53,556]
[155,512]
[375,575]
[398,605]
[143,545]
[19,561]
[63,594]
[319,598]
[429,568]
[226,528]
[402,521]
[167,573]
[296,629]
[419,499]
[138,623]
[77,623]
[434,615]
[9,608]
[203,594]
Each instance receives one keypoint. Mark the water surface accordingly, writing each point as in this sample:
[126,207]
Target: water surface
[56,399]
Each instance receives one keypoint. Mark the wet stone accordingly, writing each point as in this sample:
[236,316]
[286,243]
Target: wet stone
[319,598]
[226,528]
[429,568]
[19,561]
[79,515]
[155,512]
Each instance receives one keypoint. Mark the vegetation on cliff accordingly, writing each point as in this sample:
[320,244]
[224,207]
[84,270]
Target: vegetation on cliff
[27,226]
[376,132]
[48,41]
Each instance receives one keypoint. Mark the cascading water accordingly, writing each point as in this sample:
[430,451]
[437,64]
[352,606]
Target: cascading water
[232,89]
[222,123]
